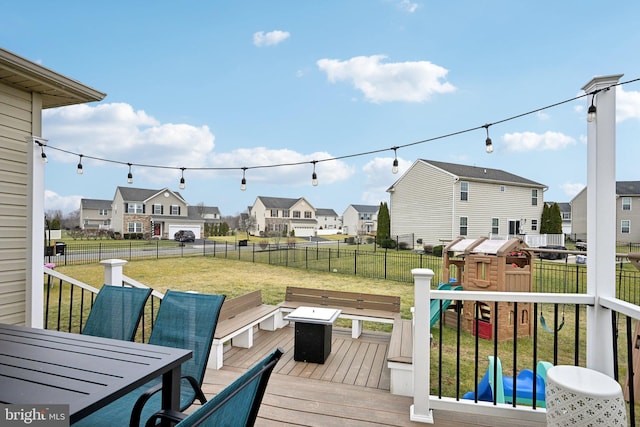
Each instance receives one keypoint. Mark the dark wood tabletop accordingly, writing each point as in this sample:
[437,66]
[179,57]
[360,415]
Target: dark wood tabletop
[48,367]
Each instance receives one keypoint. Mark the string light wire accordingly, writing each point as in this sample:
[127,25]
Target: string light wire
[347,156]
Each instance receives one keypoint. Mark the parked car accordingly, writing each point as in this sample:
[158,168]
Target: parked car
[553,255]
[184,236]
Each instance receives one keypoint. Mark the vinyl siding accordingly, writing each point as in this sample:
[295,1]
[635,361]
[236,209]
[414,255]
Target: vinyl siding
[633,216]
[15,127]
[422,204]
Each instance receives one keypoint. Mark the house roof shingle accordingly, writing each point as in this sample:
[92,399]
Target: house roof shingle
[95,204]
[142,194]
[277,202]
[628,188]
[481,173]
[366,208]
[325,212]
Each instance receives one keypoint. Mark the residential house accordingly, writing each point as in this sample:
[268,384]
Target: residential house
[627,213]
[158,213]
[359,220]
[282,216]
[26,88]
[438,201]
[328,219]
[95,214]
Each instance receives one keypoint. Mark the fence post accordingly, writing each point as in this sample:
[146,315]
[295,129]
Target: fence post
[420,411]
[113,271]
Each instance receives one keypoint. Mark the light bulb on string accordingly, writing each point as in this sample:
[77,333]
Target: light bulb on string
[314,176]
[243,183]
[591,113]
[129,175]
[79,170]
[394,169]
[182,179]
[488,143]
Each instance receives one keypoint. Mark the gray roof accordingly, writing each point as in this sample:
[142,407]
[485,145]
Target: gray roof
[141,194]
[325,212]
[481,173]
[198,211]
[277,202]
[95,204]
[366,208]
[628,188]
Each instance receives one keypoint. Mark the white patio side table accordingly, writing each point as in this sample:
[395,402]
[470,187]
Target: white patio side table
[577,396]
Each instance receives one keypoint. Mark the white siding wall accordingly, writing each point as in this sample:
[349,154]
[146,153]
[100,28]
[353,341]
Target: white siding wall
[579,215]
[421,204]
[117,212]
[487,201]
[350,221]
[15,128]
[258,213]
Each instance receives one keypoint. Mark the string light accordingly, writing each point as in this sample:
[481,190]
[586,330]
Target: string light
[80,165]
[394,169]
[488,142]
[314,176]
[591,113]
[129,175]
[243,183]
[182,179]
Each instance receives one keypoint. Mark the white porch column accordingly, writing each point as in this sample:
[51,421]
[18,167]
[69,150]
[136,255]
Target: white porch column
[34,313]
[421,345]
[601,220]
[113,271]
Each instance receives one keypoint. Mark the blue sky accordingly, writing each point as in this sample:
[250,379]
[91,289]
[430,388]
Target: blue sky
[210,85]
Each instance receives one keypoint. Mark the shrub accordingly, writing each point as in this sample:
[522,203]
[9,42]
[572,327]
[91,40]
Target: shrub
[428,249]
[263,243]
[388,243]
[404,246]
[437,250]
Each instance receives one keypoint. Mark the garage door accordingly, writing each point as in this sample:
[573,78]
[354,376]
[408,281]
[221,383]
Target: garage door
[173,229]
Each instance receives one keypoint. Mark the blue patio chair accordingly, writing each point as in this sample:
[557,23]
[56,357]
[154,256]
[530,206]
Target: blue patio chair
[184,320]
[236,405]
[116,312]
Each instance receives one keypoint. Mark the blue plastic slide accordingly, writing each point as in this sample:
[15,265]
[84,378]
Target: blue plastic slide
[504,389]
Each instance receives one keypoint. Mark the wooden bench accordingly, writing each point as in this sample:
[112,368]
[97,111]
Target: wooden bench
[400,358]
[238,317]
[356,306]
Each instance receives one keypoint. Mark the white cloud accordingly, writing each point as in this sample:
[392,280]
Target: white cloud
[530,141]
[628,105]
[408,6]
[378,178]
[543,116]
[271,38]
[383,82]
[118,133]
[66,204]
[571,189]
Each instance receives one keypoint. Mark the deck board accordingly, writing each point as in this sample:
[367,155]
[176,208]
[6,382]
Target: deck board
[350,388]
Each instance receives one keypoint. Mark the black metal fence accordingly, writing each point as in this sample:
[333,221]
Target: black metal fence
[360,260]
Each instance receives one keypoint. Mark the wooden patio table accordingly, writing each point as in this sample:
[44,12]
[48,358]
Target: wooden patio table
[42,367]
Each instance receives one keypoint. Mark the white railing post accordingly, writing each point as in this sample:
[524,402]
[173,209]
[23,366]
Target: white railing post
[113,271]
[601,220]
[421,345]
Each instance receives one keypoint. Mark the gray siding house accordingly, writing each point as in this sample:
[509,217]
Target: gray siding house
[627,213]
[26,88]
[278,216]
[360,220]
[438,201]
[95,214]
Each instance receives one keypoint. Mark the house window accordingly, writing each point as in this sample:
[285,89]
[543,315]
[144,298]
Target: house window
[566,216]
[285,213]
[102,212]
[495,225]
[626,203]
[175,210]
[502,188]
[134,227]
[307,214]
[625,226]
[296,214]
[463,225]
[534,197]
[135,208]
[464,190]
[274,213]
[534,225]
[157,209]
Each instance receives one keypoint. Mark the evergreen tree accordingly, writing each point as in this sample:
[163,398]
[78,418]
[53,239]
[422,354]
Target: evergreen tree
[555,219]
[383,232]
[544,221]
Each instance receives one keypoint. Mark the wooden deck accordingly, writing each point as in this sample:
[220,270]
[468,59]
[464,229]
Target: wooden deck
[351,388]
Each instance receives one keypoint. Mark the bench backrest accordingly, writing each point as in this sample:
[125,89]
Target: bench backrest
[234,306]
[330,298]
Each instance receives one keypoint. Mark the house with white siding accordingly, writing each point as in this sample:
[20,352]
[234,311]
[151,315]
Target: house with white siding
[95,214]
[328,219]
[438,201]
[280,216]
[26,88]
[627,213]
[360,220]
